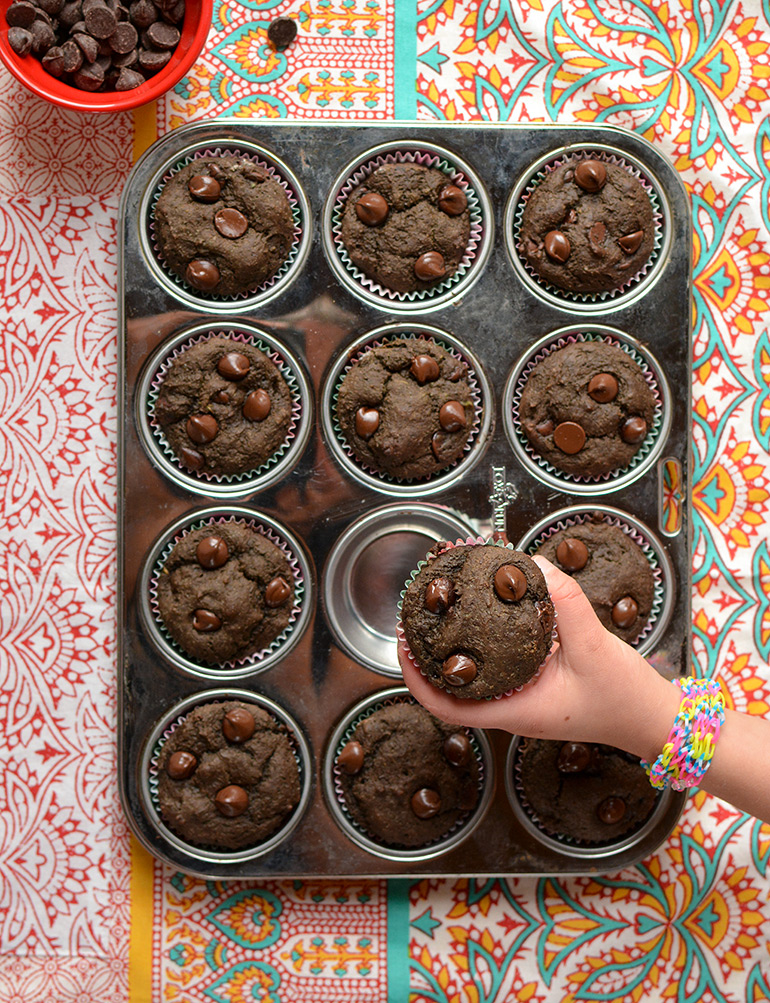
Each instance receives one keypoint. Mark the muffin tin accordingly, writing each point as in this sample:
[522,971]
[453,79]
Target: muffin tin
[358,536]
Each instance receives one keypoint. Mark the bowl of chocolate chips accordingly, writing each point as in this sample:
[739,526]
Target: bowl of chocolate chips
[102,55]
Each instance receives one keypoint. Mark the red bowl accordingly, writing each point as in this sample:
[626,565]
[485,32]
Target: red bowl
[29,70]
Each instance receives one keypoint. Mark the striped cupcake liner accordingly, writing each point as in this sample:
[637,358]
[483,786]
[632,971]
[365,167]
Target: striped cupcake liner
[646,448]
[470,541]
[278,173]
[606,296]
[283,367]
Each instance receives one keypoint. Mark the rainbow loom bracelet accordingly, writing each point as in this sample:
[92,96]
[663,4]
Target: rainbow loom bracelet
[687,754]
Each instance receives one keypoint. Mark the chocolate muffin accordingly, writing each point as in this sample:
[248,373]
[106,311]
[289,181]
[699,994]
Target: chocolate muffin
[612,570]
[223,225]
[588,226]
[478,619]
[406,226]
[589,794]
[224,407]
[225,592]
[587,408]
[407,778]
[405,408]
[227,776]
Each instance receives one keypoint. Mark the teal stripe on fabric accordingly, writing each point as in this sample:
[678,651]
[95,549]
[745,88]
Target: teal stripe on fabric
[405,59]
[398,940]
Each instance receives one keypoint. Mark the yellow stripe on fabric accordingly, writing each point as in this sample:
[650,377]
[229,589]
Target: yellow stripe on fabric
[142,923]
[145,128]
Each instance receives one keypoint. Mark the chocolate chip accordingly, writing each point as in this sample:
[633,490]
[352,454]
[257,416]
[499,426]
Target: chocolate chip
[603,388]
[20,40]
[569,437]
[452,200]
[234,365]
[612,810]
[544,427]
[631,242]
[124,38]
[557,246]
[49,7]
[191,458]
[238,725]
[89,77]
[231,801]
[257,405]
[372,208]
[87,45]
[442,446]
[100,21]
[202,428]
[163,36]
[70,14]
[72,56]
[351,758]
[212,552]
[231,223]
[625,612]
[43,37]
[510,583]
[457,749]
[53,61]
[425,803]
[143,13]
[221,397]
[281,32]
[591,175]
[574,757]
[424,368]
[181,765]
[459,670]
[634,430]
[152,61]
[430,266]
[451,416]
[175,14]
[200,274]
[277,591]
[367,422]
[596,236]
[439,595]
[572,554]
[21,14]
[205,621]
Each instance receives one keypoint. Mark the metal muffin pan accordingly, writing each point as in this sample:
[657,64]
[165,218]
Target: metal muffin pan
[357,535]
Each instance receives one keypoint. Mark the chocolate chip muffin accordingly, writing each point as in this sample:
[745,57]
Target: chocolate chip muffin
[612,570]
[405,408]
[588,226]
[590,794]
[227,776]
[406,227]
[407,778]
[224,407]
[225,592]
[478,619]
[223,225]
[587,408]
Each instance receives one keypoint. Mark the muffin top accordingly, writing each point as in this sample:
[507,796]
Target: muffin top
[407,778]
[612,570]
[587,408]
[405,408]
[584,792]
[478,619]
[227,776]
[223,225]
[224,407]
[406,227]
[588,226]
[225,592]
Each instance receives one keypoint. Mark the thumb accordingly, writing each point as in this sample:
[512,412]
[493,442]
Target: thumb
[577,624]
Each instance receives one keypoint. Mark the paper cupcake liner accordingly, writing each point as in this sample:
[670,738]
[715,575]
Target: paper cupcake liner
[644,545]
[153,771]
[454,175]
[340,795]
[476,397]
[645,447]
[658,221]
[277,642]
[276,175]
[470,541]
[560,837]
[283,367]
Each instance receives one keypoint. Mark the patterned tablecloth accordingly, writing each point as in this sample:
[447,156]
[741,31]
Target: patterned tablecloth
[85,915]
